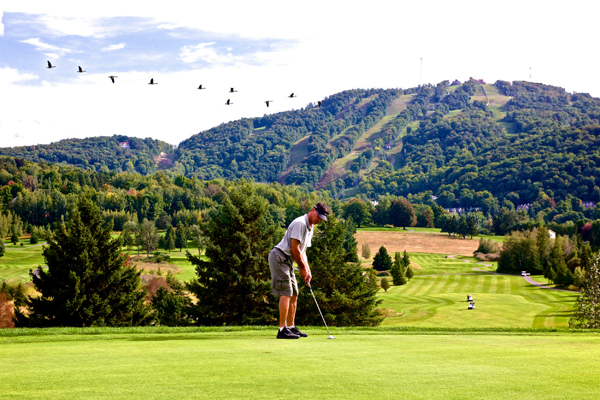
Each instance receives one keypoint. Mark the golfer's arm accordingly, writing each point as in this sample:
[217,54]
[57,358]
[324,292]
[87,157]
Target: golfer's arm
[298,256]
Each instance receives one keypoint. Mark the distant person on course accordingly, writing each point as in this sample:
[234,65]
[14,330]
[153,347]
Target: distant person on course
[281,260]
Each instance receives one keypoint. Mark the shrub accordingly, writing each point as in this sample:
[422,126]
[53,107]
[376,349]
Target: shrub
[6,312]
[366,251]
[385,284]
[487,246]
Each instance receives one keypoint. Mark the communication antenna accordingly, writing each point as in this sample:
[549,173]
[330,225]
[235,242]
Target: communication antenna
[421,72]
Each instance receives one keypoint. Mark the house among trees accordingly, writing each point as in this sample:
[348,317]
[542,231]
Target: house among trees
[124,145]
[455,82]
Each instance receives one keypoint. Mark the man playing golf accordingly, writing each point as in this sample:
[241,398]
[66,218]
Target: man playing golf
[281,259]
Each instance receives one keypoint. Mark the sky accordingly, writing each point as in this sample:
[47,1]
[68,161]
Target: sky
[265,50]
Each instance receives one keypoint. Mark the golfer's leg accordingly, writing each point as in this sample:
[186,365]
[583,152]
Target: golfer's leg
[291,315]
[284,305]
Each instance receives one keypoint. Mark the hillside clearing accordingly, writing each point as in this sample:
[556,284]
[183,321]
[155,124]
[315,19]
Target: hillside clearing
[414,242]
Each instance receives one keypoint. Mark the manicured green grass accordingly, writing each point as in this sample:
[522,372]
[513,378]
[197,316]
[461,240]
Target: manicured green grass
[254,365]
[501,301]
[431,263]
[17,261]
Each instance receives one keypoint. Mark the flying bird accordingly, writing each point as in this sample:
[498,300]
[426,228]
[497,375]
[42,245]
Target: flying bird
[80,70]
[50,65]
[112,78]
[319,103]
[291,96]
[152,82]
[201,88]
[232,90]
[228,103]
[267,102]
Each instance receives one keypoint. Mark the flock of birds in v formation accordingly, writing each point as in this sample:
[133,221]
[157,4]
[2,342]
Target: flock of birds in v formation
[228,103]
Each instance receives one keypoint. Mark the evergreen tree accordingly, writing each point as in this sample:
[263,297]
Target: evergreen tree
[33,239]
[463,226]
[587,307]
[87,282]
[382,260]
[409,272]
[2,248]
[397,271]
[350,244]
[562,274]
[385,284]
[169,238]
[405,259]
[14,238]
[234,285]
[181,236]
[346,296]
[543,246]
[472,231]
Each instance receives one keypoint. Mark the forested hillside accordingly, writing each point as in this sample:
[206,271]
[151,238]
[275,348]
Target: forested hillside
[469,144]
[542,144]
[260,148]
[115,153]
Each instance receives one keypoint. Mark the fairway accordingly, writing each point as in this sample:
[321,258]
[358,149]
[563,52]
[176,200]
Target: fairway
[251,364]
[501,301]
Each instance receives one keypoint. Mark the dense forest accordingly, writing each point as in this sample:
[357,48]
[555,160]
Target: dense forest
[260,148]
[536,149]
[115,153]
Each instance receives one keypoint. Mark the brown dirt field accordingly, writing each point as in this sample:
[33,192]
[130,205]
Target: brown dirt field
[396,241]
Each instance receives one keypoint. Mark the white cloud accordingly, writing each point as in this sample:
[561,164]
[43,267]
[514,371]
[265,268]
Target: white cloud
[113,47]
[11,75]
[204,52]
[1,24]
[57,52]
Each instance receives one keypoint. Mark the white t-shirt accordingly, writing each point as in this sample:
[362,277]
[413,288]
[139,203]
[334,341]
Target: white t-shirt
[301,230]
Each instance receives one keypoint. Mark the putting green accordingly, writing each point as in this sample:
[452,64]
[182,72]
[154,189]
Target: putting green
[254,365]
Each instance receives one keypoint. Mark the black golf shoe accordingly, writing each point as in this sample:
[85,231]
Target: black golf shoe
[285,333]
[297,331]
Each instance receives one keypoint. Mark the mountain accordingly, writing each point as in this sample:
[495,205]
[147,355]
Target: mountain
[103,154]
[462,142]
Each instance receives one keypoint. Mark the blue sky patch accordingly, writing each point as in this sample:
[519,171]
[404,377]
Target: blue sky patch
[121,44]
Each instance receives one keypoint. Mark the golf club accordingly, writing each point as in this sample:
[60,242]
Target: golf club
[319,308]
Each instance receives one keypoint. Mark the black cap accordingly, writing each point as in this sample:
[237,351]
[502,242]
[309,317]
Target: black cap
[322,210]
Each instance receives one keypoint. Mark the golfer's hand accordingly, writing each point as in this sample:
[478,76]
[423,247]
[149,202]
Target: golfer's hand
[306,275]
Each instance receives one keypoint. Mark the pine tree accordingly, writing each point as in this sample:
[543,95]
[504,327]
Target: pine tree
[181,236]
[385,284]
[87,282]
[382,260]
[350,244]
[409,272]
[2,248]
[169,238]
[346,293]
[234,285]
[587,307]
[398,270]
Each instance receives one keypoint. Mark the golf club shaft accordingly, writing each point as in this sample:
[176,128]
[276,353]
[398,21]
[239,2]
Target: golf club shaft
[319,308]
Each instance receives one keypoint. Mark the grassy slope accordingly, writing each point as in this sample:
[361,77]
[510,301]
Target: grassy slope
[252,365]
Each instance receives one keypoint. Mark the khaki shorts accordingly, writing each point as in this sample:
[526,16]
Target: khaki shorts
[283,279]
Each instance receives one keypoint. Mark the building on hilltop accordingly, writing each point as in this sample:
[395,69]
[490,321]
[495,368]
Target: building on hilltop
[124,145]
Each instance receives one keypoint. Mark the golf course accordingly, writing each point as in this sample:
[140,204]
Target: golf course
[514,344]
